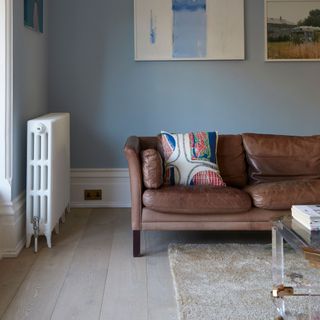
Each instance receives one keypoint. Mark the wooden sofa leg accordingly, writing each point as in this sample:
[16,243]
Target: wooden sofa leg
[136,243]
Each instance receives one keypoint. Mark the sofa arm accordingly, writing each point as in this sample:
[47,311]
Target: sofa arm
[132,153]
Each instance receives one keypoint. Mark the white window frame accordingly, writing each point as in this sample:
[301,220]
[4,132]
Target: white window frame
[6,99]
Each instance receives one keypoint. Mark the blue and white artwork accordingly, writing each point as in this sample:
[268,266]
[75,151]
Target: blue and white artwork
[189,28]
[153,28]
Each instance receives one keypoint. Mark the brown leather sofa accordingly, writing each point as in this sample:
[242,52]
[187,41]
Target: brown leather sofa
[265,176]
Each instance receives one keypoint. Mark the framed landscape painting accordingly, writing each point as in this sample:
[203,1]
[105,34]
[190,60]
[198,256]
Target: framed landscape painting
[33,15]
[189,29]
[292,30]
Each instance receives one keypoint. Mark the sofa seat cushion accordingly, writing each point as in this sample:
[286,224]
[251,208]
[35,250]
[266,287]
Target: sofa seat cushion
[199,199]
[282,195]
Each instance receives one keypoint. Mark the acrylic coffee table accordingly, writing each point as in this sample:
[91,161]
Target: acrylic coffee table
[305,292]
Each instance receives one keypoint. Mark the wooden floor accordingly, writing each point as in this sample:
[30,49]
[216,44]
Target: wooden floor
[90,273]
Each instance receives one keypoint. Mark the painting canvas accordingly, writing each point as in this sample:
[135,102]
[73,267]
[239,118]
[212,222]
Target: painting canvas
[292,30]
[189,30]
[33,15]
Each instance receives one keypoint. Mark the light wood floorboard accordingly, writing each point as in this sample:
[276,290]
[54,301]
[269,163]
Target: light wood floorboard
[13,272]
[39,291]
[126,287]
[161,302]
[81,295]
[90,273]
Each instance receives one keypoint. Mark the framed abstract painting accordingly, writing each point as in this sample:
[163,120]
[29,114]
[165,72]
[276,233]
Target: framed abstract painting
[189,29]
[33,15]
[292,30]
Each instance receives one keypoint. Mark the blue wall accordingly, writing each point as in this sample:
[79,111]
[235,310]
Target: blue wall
[93,75]
[30,88]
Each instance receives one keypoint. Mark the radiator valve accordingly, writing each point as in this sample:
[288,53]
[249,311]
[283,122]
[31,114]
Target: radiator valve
[35,222]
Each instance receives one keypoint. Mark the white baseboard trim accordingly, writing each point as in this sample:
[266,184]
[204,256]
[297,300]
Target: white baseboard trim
[9,253]
[12,227]
[114,183]
[12,207]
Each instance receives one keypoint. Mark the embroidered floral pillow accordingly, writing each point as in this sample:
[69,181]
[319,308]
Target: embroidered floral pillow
[190,158]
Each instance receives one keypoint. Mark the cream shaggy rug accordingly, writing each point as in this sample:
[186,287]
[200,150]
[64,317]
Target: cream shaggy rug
[229,281]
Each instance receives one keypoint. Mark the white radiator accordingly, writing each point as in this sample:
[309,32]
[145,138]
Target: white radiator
[48,174]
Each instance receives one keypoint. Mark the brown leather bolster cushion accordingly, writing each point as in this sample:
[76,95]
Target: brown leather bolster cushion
[152,168]
[276,157]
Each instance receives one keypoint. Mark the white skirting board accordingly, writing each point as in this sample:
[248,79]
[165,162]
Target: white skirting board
[114,184]
[12,227]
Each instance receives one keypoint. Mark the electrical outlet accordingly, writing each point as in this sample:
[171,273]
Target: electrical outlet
[93,194]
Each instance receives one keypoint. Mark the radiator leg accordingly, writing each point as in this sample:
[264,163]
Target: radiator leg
[66,211]
[57,228]
[36,230]
[28,241]
[48,236]
[136,243]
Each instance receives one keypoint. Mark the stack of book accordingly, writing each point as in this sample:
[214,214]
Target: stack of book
[306,223]
[312,237]
[308,216]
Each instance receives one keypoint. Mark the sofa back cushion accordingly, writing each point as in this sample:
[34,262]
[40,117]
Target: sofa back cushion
[277,157]
[231,160]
